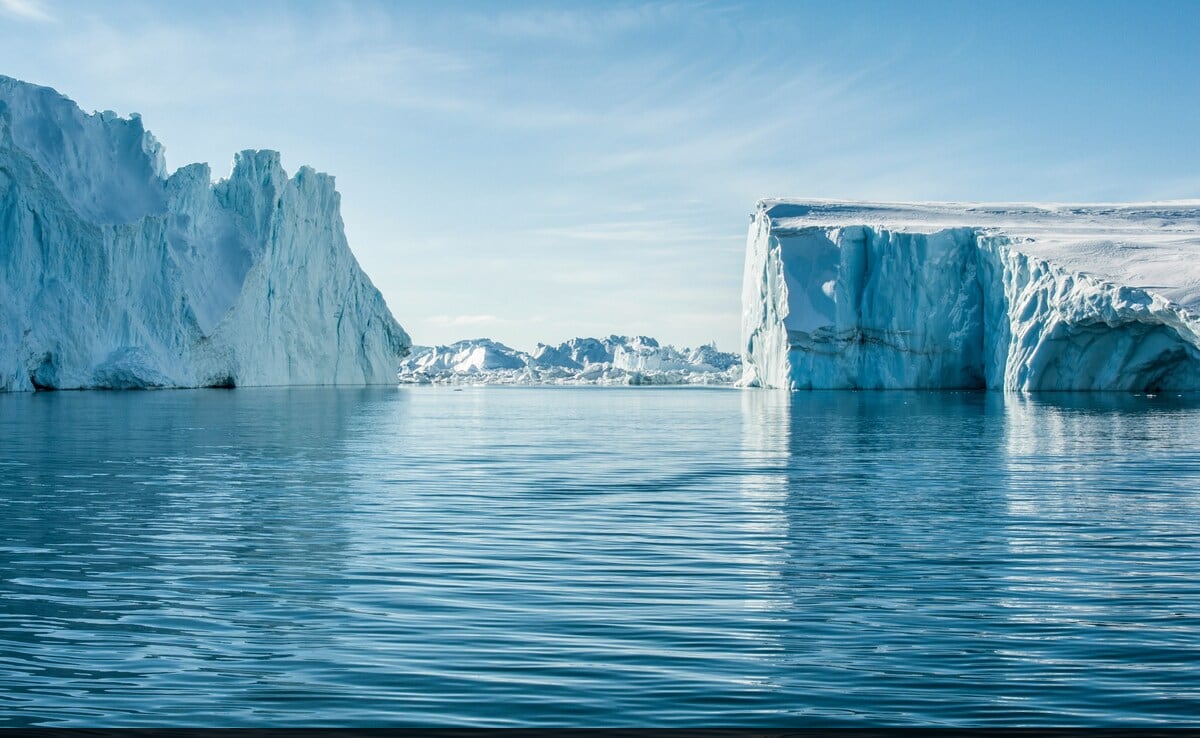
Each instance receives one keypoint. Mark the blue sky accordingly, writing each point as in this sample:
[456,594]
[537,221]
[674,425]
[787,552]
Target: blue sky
[536,171]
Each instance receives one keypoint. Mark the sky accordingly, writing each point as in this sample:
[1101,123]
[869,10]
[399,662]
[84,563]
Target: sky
[537,171]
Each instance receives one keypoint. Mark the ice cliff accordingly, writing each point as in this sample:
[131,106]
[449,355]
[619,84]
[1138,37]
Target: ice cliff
[115,275]
[604,361]
[843,295]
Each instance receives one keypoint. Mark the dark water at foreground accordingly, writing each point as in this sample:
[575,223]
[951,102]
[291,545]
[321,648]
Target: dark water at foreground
[595,557]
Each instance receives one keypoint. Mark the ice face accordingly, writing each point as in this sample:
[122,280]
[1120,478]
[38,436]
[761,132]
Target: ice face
[117,276]
[1017,297]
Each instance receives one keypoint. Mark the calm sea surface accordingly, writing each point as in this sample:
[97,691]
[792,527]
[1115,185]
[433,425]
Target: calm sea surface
[593,557]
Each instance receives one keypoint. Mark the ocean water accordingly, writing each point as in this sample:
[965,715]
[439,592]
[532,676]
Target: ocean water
[598,557]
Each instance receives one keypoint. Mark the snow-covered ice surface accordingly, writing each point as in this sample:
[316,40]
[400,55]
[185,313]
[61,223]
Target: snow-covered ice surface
[1026,297]
[615,360]
[115,275]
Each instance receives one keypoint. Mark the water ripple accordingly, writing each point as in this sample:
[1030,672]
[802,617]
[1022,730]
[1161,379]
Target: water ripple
[596,557]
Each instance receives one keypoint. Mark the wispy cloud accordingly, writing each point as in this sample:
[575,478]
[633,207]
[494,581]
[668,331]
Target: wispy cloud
[581,24]
[348,55]
[28,10]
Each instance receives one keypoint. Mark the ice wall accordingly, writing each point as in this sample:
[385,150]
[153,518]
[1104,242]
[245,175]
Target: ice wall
[115,275]
[1015,297]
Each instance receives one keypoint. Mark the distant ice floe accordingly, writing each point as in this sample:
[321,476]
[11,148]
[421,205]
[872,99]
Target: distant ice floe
[615,360]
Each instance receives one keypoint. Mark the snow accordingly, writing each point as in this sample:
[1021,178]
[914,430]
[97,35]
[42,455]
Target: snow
[118,276]
[615,360]
[1004,296]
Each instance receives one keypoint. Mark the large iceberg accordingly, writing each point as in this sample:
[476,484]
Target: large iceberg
[115,275]
[615,360]
[845,295]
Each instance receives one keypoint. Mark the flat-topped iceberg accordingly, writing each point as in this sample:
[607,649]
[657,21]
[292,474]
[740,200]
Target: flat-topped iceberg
[115,275]
[615,360]
[845,295]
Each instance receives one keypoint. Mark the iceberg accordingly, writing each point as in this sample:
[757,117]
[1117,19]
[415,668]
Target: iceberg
[1014,297]
[615,360]
[114,274]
